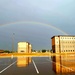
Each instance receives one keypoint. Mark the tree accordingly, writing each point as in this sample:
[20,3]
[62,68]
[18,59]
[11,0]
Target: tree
[43,51]
[51,51]
[6,51]
[33,50]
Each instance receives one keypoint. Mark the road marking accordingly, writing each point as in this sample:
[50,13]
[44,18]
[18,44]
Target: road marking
[7,67]
[61,65]
[35,67]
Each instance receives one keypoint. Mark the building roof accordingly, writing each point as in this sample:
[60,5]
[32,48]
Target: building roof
[63,35]
[1,51]
[24,42]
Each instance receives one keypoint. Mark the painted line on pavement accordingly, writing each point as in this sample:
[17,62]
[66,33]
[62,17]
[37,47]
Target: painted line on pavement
[7,67]
[35,67]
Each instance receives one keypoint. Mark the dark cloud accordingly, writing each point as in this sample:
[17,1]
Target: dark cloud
[58,13]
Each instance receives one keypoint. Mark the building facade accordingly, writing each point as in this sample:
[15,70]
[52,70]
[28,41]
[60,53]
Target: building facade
[24,47]
[63,44]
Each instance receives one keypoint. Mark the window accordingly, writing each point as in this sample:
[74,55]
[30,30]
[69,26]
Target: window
[22,50]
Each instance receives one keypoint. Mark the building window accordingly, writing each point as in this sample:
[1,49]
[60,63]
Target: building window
[22,51]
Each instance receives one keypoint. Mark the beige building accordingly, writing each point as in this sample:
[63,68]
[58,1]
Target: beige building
[24,47]
[63,44]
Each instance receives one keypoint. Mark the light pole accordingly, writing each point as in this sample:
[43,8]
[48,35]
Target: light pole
[13,42]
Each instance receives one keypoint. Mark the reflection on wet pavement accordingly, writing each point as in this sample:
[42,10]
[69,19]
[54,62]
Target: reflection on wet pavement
[63,64]
[23,61]
[53,65]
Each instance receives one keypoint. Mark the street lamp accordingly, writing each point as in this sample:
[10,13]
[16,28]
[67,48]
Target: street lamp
[13,42]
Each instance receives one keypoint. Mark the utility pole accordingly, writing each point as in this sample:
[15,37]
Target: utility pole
[13,42]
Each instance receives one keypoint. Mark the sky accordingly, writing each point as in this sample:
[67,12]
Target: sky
[35,21]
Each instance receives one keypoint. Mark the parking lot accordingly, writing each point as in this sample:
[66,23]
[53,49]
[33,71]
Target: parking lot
[37,65]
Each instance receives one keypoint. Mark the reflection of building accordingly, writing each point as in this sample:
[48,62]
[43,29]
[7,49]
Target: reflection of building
[23,61]
[63,64]
[63,44]
[24,47]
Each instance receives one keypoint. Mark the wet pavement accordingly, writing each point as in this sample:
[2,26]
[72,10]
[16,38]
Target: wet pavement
[53,65]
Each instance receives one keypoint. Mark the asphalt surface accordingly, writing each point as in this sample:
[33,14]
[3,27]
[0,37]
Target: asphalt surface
[56,65]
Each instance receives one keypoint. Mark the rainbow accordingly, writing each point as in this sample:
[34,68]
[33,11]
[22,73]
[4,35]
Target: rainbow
[33,22]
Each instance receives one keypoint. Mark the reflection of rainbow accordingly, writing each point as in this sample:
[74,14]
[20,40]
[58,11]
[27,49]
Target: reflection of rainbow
[32,22]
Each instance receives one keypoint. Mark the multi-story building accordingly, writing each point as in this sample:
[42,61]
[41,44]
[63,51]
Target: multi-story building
[24,47]
[63,44]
